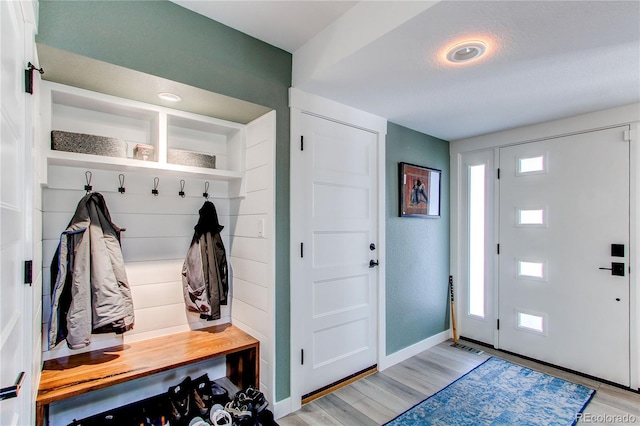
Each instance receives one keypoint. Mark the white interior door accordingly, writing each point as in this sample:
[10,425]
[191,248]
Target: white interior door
[15,333]
[563,203]
[339,288]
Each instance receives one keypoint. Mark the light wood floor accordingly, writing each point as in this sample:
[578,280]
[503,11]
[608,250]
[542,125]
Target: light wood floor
[378,398]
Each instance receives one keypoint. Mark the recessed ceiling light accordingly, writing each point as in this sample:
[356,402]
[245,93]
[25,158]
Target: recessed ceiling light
[171,97]
[466,51]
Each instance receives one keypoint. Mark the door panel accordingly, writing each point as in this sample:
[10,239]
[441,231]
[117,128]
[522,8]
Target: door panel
[340,222]
[556,229]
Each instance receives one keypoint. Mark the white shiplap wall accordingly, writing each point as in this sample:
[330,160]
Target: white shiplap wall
[158,233]
[252,238]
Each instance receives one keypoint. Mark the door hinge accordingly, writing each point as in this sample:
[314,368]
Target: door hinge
[627,136]
[28,272]
[498,173]
[301,356]
[301,143]
[301,249]
[498,248]
[498,324]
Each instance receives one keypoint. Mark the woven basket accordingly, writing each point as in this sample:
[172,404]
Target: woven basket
[189,158]
[88,144]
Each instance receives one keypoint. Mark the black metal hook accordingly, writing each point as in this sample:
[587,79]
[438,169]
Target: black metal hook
[121,180]
[205,194]
[32,67]
[28,77]
[88,175]
[156,182]
[181,193]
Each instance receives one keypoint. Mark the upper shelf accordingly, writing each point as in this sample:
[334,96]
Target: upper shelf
[70,109]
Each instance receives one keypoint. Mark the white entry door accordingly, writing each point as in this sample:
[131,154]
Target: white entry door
[338,292]
[15,331]
[563,203]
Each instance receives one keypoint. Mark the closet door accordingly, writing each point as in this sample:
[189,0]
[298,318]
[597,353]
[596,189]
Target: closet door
[338,291]
[15,214]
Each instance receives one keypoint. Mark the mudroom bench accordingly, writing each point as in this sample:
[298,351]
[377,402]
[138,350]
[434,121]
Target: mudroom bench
[74,375]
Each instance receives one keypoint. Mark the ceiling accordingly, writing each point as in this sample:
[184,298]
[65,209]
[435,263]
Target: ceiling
[545,59]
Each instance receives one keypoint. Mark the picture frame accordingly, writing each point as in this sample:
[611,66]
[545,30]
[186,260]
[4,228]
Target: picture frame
[419,191]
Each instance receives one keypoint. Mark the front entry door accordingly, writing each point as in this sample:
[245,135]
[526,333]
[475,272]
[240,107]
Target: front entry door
[339,286]
[564,225]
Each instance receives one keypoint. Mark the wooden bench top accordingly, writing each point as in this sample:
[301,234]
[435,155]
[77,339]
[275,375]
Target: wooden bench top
[77,374]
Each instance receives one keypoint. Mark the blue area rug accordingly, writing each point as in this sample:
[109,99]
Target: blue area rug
[498,392]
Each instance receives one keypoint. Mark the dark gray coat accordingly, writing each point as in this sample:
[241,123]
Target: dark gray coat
[205,279]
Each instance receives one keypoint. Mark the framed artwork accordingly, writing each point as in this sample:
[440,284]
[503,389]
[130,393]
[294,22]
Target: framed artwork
[419,191]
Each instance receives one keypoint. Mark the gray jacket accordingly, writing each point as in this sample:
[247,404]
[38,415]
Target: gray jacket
[89,288]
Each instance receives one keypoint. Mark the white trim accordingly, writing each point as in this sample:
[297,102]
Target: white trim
[613,117]
[326,108]
[634,258]
[305,103]
[413,350]
[282,408]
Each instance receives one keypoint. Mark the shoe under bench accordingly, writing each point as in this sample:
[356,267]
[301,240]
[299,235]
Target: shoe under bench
[74,375]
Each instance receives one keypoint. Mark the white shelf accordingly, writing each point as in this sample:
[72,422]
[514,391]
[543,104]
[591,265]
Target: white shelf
[74,159]
[75,110]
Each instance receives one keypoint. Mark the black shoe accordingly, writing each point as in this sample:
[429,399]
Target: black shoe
[180,398]
[219,395]
[203,397]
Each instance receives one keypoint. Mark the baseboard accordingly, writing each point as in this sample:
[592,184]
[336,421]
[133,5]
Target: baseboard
[406,353]
[282,408]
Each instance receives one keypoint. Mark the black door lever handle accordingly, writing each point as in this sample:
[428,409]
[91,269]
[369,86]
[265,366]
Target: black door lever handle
[617,268]
[373,263]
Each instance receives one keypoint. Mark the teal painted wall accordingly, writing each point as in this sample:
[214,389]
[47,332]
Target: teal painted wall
[163,39]
[417,252]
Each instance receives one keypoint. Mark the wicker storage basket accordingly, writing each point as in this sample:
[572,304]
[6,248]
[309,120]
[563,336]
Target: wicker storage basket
[88,144]
[189,158]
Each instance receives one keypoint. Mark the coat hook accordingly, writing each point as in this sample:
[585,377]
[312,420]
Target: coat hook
[205,194]
[88,177]
[156,182]
[121,179]
[28,77]
[181,193]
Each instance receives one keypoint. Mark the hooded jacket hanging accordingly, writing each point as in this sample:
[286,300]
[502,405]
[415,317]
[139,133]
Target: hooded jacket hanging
[89,288]
[204,272]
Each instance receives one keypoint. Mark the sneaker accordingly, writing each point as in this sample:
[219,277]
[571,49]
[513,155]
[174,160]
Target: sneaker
[220,417]
[257,399]
[240,412]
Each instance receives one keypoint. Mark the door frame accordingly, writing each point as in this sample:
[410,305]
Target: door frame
[305,103]
[615,117]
